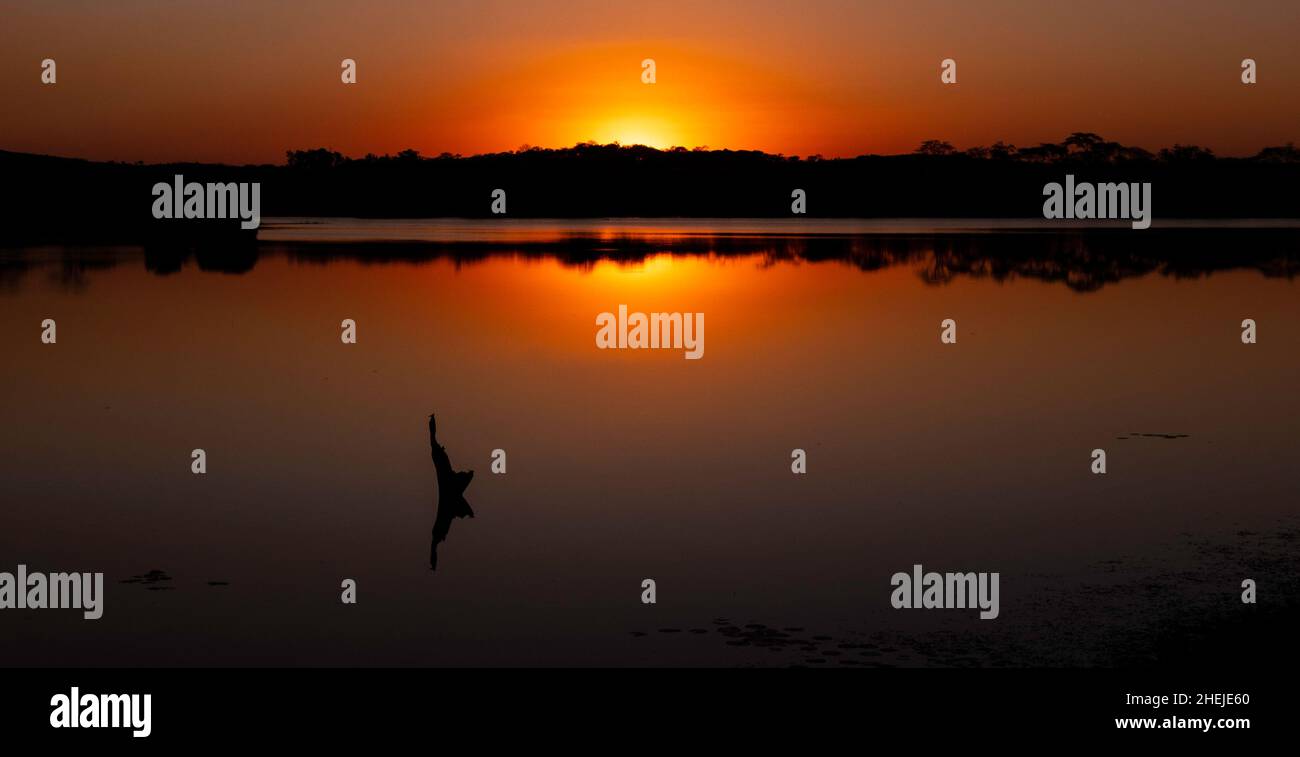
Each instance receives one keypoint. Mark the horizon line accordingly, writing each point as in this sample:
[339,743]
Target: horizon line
[937,148]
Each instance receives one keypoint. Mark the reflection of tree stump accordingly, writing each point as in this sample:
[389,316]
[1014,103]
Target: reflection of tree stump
[451,493]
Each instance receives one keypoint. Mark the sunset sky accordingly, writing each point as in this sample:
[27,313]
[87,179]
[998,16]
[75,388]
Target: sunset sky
[244,81]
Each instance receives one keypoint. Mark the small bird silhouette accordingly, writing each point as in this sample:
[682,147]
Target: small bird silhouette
[451,493]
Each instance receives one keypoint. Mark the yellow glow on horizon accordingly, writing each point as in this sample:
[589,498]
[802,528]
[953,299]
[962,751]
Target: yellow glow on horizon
[596,94]
[656,132]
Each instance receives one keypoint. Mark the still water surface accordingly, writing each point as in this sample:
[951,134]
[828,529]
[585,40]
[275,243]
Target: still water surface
[628,465]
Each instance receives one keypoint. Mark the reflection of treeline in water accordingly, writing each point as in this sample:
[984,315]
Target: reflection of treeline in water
[1084,260]
[82,198]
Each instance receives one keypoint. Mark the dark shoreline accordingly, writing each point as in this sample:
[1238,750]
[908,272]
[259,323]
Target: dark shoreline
[52,199]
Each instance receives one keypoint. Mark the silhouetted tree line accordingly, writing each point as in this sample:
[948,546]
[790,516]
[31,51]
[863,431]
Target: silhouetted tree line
[1087,148]
[76,197]
[937,180]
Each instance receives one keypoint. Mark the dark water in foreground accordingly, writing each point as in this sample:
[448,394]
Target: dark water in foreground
[625,465]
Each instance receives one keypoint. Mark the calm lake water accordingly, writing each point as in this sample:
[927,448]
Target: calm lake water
[626,465]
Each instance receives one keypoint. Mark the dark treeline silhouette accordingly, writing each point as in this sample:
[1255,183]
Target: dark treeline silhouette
[1083,260]
[46,197]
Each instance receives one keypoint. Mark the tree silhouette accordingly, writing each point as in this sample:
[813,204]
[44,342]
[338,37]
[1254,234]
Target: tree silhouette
[935,147]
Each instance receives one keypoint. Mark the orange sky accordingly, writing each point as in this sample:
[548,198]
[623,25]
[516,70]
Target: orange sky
[244,81]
